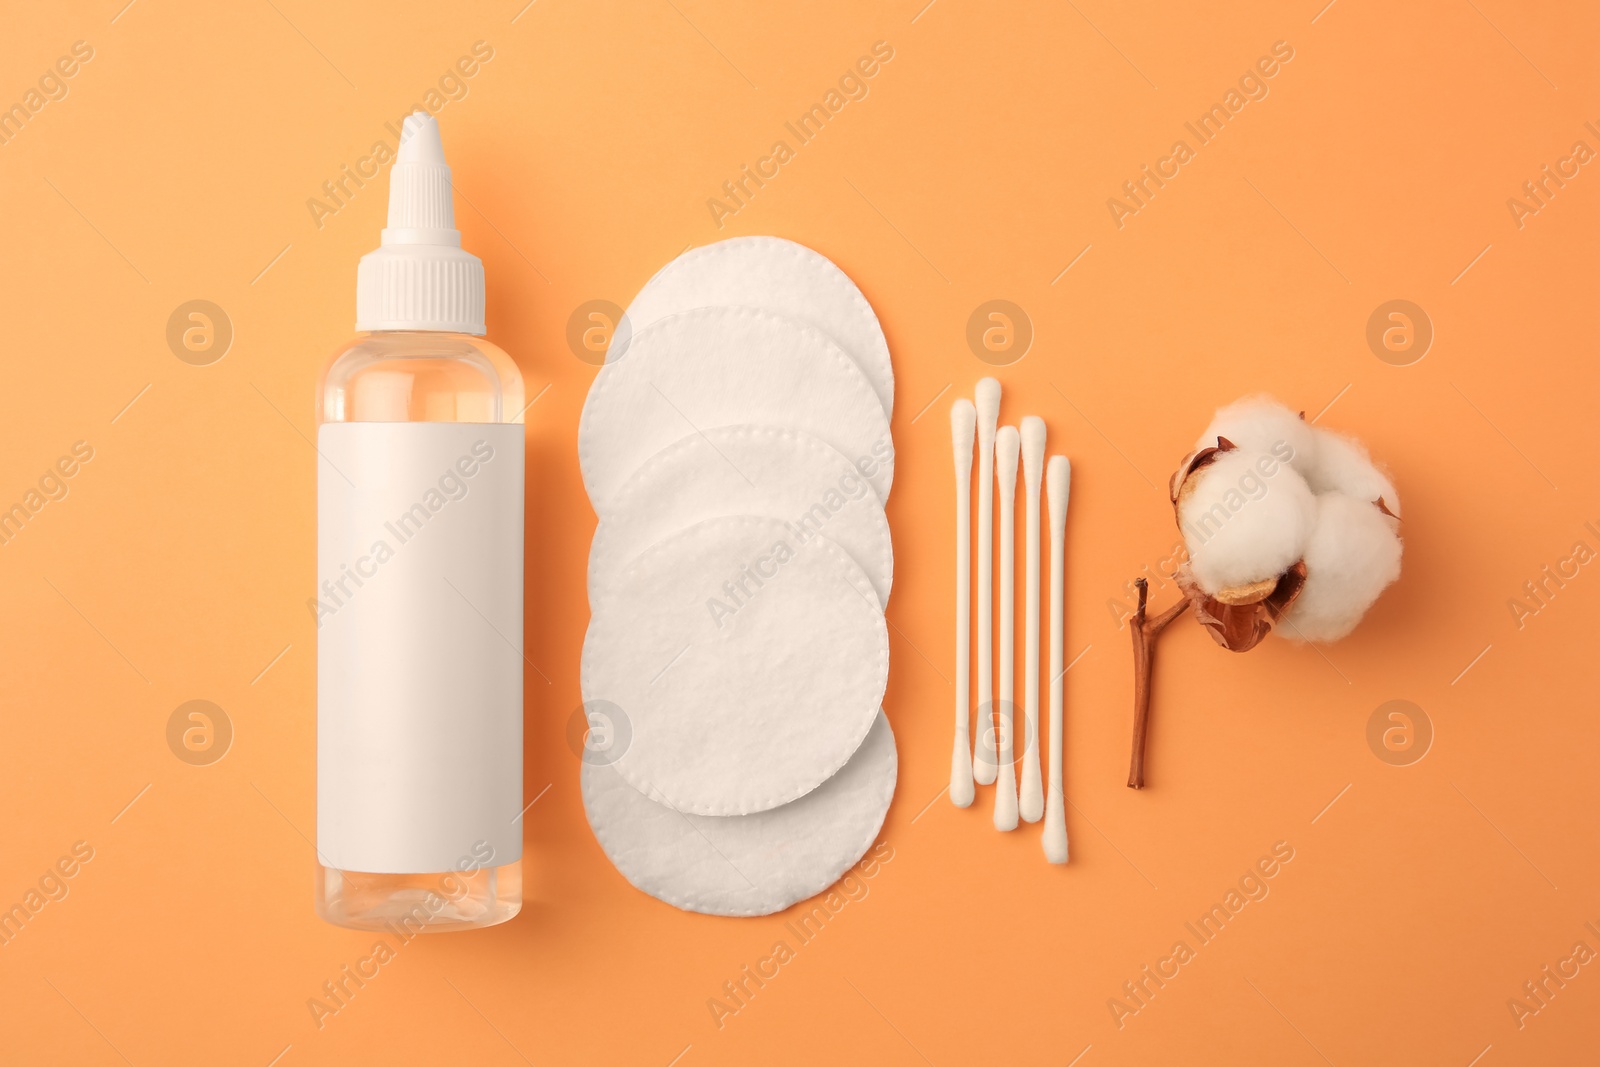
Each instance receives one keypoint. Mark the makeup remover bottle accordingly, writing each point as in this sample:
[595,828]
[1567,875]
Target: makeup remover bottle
[419,584]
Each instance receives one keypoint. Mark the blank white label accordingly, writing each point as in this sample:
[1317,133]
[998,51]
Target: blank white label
[419,645]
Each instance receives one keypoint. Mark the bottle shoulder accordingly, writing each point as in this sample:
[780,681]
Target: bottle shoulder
[404,376]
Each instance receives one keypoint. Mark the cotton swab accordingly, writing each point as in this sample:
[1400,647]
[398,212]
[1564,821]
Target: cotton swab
[1006,445]
[1031,800]
[963,421]
[986,396]
[1058,477]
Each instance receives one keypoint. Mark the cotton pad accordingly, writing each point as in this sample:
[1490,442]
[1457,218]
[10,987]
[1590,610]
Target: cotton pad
[716,367]
[745,864]
[745,470]
[747,666]
[776,275]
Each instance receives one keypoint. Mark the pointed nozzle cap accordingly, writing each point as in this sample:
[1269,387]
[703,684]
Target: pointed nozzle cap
[419,278]
[420,141]
[421,198]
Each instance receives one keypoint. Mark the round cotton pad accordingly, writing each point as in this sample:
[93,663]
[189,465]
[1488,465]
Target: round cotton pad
[747,667]
[745,470]
[745,864]
[715,367]
[776,275]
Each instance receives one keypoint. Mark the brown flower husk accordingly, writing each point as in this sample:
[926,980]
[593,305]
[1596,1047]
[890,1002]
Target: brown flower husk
[1239,623]
[1196,460]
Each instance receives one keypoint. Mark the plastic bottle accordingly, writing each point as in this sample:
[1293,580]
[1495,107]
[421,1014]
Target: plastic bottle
[419,584]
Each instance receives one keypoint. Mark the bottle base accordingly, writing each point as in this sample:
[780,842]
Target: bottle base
[420,903]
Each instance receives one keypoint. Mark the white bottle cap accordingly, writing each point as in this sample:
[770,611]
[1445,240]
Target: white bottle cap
[419,278]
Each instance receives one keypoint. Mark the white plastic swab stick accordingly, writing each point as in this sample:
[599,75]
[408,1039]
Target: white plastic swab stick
[963,422]
[1058,477]
[1031,799]
[986,397]
[1006,445]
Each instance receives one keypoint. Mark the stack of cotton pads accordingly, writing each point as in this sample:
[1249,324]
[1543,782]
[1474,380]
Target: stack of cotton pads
[736,449]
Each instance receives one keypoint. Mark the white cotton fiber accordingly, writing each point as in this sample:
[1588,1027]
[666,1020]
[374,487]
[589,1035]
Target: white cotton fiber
[1353,553]
[1261,424]
[1341,464]
[1246,517]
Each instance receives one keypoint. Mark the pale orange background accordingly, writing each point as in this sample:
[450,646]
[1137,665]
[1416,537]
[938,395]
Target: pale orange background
[179,166]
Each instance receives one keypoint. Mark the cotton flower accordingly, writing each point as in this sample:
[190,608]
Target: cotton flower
[1268,509]
[1284,523]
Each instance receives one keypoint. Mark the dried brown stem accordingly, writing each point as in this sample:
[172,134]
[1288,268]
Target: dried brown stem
[1145,631]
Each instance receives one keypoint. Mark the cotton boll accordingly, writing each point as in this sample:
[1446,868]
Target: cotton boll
[1246,517]
[1353,554]
[1341,464]
[1261,424]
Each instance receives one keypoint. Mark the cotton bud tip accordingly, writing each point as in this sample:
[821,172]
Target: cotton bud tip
[986,396]
[1033,448]
[963,424]
[1007,447]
